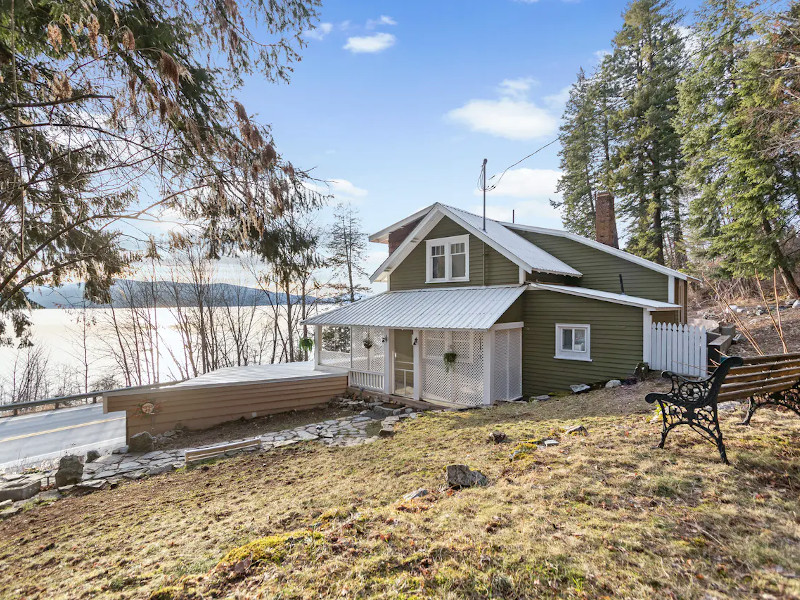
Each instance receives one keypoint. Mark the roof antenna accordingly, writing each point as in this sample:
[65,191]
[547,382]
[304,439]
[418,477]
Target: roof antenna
[512,215]
[483,185]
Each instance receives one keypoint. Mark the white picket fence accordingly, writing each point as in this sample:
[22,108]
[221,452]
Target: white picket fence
[679,348]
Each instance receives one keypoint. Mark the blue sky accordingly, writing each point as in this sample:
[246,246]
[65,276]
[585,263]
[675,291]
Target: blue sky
[399,102]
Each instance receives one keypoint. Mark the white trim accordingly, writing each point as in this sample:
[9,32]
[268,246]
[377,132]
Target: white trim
[647,324]
[671,289]
[317,343]
[586,355]
[416,340]
[388,361]
[447,242]
[604,296]
[522,275]
[382,236]
[512,325]
[599,246]
[488,363]
[407,245]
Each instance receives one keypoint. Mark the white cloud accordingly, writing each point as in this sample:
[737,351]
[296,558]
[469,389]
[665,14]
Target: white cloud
[525,193]
[516,88]
[382,20]
[506,117]
[690,39]
[556,102]
[342,187]
[370,43]
[319,32]
[527,183]
[599,55]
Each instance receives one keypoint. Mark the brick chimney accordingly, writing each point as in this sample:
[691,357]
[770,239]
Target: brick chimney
[605,220]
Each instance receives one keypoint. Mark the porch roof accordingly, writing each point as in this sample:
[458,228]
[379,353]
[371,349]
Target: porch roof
[443,308]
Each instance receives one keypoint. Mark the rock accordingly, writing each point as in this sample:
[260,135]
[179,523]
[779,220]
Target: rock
[548,443]
[70,470]
[579,387]
[796,304]
[386,431]
[91,456]
[141,443]
[416,494]
[6,503]
[730,405]
[577,430]
[92,485]
[120,450]
[21,489]
[383,411]
[461,476]
[497,437]
[613,383]
[542,398]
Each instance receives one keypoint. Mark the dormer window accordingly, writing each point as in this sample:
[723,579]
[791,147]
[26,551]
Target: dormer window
[448,259]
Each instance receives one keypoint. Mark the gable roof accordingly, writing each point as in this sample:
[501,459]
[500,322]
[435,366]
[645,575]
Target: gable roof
[514,247]
[605,296]
[497,227]
[476,308]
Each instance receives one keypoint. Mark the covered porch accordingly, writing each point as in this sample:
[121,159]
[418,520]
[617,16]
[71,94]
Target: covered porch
[459,346]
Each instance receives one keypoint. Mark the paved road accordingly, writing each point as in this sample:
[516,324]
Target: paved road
[39,437]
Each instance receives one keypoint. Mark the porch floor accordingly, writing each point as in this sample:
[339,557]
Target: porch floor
[255,374]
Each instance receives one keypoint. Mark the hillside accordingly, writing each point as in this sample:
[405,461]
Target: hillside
[600,516]
[71,295]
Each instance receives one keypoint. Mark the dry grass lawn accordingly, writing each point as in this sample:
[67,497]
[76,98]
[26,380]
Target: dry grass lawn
[598,516]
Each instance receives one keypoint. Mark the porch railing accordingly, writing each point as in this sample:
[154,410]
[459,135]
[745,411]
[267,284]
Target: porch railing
[366,379]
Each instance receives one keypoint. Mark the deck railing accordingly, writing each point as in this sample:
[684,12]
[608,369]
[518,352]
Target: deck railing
[366,379]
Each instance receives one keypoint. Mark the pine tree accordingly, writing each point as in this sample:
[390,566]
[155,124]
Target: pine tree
[347,247]
[646,65]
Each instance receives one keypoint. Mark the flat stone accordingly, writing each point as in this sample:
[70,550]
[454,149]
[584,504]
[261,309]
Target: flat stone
[576,430]
[729,405]
[282,443]
[120,450]
[416,494]
[461,476]
[548,443]
[386,431]
[579,387]
[613,383]
[92,485]
[21,489]
[542,398]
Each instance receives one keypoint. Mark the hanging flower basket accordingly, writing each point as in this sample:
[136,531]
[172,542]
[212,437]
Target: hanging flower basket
[306,344]
[449,359]
[367,343]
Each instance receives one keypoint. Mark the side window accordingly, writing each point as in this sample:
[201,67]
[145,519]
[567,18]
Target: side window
[448,259]
[573,341]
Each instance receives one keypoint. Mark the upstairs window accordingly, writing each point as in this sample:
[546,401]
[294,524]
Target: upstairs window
[573,341]
[448,259]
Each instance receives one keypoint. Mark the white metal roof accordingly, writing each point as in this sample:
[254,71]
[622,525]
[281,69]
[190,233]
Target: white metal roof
[514,247]
[602,247]
[441,308]
[605,296]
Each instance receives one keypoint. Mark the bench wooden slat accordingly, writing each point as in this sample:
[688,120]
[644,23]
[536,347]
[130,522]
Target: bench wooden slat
[766,358]
[765,375]
[746,385]
[754,391]
[771,366]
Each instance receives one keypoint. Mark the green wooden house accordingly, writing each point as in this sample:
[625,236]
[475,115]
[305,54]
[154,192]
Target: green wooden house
[479,310]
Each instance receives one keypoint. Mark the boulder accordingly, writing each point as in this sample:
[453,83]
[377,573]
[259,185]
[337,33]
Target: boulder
[20,489]
[579,387]
[92,455]
[70,470]
[613,383]
[461,476]
[497,437]
[141,442]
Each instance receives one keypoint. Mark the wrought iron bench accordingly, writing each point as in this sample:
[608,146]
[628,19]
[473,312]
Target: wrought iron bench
[765,380]
[693,402]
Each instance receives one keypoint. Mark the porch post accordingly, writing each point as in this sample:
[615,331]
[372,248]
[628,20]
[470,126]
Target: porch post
[647,328]
[488,361]
[417,341]
[317,343]
[388,360]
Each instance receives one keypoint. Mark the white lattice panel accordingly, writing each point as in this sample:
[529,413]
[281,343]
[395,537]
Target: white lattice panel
[507,364]
[463,382]
[370,358]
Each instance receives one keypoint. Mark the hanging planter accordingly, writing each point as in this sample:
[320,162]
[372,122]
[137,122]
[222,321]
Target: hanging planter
[449,359]
[306,344]
[367,343]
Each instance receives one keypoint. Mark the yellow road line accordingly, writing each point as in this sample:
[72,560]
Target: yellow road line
[27,435]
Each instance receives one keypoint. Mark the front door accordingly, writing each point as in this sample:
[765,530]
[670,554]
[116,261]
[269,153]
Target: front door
[403,362]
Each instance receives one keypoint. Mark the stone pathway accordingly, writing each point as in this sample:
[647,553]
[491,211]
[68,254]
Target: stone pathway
[109,470]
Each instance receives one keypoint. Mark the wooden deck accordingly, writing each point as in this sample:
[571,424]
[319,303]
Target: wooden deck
[226,395]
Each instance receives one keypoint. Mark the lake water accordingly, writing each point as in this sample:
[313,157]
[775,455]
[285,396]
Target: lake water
[71,357]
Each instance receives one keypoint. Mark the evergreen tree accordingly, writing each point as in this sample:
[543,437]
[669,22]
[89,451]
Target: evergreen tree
[348,248]
[646,65]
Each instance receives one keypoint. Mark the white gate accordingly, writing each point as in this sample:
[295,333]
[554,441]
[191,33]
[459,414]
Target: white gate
[679,348]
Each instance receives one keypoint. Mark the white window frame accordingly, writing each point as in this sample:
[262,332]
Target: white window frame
[573,354]
[448,264]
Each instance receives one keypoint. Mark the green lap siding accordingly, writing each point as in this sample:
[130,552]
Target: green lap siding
[601,270]
[486,265]
[615,341]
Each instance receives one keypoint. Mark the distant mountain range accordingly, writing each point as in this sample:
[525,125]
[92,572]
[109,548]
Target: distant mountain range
[167,293]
